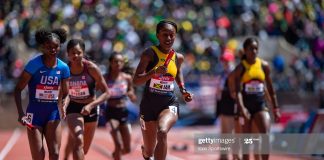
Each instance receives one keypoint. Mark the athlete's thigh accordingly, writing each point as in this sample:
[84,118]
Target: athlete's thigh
[35,139]
[53,133]
[167,118]
[262,121]
[75,123]
[125,131]
[227,124]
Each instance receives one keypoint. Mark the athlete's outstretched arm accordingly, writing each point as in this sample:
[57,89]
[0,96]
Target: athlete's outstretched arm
[234,87]
[101,85]
[271,91]
[187,96]
[179,78]
[130,90]
[63,94]
[23,81]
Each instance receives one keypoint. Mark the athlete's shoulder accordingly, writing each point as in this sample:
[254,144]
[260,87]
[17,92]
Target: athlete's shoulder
[148,54]
[126,75]
[62,64]
[148,51]
[90,64]
[34,64]
[36,60]
[264,62]
[179,55]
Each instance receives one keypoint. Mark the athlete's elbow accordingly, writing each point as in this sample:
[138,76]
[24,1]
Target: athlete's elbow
[106,95]
[17,89]
[136,82]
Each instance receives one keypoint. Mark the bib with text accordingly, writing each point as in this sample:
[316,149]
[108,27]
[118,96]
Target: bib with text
[162,84]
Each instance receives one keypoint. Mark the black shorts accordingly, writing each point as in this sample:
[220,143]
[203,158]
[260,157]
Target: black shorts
[75,107]
[151,106]
[120,114]
[254,104]
[226,105]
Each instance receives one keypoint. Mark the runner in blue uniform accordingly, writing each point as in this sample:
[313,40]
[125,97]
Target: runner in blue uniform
[47,78]
[159,107]
[82,105]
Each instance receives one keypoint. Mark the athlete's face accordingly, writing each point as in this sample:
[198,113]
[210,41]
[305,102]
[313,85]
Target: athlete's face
[117,63]
[166,36]
[252,50]
[75,54]
[51,47]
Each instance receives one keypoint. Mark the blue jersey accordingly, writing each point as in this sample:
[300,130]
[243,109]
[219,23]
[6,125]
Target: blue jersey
[44,84]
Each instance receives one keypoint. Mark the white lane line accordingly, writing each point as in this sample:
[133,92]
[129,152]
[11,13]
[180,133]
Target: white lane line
[172,157]
[102,150]
[12,141]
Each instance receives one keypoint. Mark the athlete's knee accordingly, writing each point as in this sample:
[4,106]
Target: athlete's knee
[162,135]
[127,148]
[148,152]
[53,155]
[39,155]
[85,151]
[78,142]
[54,151]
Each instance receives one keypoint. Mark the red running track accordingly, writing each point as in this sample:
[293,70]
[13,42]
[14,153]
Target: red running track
[14,145]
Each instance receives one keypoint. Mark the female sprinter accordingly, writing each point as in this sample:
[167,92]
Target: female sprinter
[47,78]
[253,74]
[82,111]
[159,107]
[120,87]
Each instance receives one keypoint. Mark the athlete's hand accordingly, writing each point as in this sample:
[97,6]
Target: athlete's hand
[63,114]
[86,110]
[161,70]
[187,96]
[62,110]
[277,115]
[20,119]
[246,114]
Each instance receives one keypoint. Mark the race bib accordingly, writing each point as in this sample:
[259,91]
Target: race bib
[173,109]
[79,91]
[162,84]
[29,117]
[44,92]
[254,87]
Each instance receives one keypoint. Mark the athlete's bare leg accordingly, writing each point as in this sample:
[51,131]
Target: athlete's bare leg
[35,139]
[247,129]
[52,134]
[165,121]
[149,131]
[68,147]
[76,125]
[125,131]
[114,124]
[89,131]
[262,122]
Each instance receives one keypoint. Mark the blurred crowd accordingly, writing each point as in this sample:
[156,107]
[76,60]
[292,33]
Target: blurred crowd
[208,29]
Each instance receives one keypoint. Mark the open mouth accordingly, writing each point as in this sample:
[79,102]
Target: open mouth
[53,53]
[168,43]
